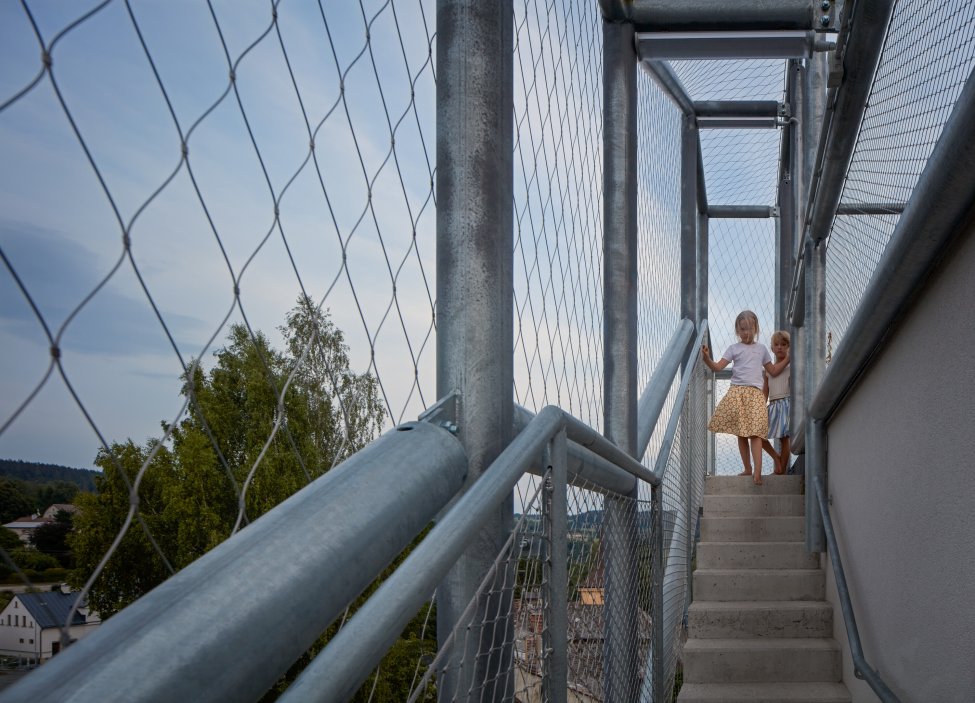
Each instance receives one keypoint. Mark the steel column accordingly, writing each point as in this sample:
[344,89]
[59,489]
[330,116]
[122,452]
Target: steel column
[703,227]
[815,353]
[474,293]
[620,285]
[785,225]
[688,220]
[556,578]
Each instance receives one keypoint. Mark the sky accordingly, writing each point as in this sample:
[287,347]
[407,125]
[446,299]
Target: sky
[96,154]
[344,232]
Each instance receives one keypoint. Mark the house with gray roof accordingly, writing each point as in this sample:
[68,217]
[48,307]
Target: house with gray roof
[31,624]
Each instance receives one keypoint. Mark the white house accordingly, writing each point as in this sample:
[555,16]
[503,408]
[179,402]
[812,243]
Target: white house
[24,526]
[30,625]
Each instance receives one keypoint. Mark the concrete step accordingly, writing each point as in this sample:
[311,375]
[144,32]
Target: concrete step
[753,529]
[764,693]
[754,506]
[755,555]
[759,584]
[743,485]
[727,619]
[761,660]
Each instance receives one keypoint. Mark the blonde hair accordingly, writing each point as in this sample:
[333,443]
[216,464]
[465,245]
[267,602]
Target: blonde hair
[782,336]
[751,317]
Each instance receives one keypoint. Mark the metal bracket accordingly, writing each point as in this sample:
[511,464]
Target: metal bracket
[443,413]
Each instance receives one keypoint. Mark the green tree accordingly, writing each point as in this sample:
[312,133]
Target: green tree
[52,538]
[277,419]
[15,502]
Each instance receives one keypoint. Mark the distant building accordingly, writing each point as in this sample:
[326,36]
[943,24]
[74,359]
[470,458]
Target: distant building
[56,508]
[24,526]
[30,625]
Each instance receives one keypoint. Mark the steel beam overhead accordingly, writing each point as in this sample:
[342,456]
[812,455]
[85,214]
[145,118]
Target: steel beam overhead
[665,78]
[713,15]
[738,108]
[726,45]
[870,209]
[741,211]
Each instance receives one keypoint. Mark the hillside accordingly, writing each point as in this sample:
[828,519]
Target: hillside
[32,472]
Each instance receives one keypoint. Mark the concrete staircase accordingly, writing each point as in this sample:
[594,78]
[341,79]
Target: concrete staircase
[759,629]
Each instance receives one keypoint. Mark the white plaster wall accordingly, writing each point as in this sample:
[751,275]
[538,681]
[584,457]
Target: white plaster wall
[902,482]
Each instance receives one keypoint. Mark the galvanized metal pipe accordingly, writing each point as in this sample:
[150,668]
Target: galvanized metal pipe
[329,528]
[620,334]
[741,211]
[665,78]
[655,394]
[850,209]
[846,105]
[861,668]
[555,678]
[713,15]
[702,191]
[583,463]
[703,238]
[737,108]
[786,224]
[688,219]
[815,361]
[338,671]
[693,357]
[941,207]
[475,307]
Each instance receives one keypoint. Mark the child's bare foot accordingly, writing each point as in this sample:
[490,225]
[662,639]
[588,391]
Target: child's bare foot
[758,480]
[745,473]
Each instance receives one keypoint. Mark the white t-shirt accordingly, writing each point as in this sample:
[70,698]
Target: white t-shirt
[748,362]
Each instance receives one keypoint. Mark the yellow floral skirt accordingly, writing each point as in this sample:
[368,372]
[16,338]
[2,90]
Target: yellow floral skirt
[741,412]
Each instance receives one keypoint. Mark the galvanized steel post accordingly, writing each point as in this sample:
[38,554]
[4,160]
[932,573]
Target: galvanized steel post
[688,220]
[556,578]
[474,294]
[620,651]
[785,240]
[815,353]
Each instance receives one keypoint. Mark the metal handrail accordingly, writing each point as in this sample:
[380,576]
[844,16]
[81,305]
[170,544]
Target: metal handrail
[233,593]
[693,357]
[661,572]
[861,669]
[338,671]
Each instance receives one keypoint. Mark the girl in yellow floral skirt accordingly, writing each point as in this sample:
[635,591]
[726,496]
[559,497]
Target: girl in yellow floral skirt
[742,410]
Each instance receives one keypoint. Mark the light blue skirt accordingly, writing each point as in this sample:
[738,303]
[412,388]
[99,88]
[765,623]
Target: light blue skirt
[778,418]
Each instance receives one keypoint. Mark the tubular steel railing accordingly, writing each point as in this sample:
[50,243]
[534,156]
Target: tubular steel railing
[579,254]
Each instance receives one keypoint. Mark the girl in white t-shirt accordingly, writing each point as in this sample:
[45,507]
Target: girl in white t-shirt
[742,410]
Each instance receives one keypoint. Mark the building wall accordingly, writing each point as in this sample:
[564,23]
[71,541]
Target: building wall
[901,479]
[10,635]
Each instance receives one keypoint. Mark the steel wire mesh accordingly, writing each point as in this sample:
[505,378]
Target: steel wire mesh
[741,165]
[683,496]
[557,208]
[658,143]
[155,245]
[745,79]
[741,276]
[928,55]
[517,580]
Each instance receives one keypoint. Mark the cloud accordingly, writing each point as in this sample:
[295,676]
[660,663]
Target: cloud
[58,273]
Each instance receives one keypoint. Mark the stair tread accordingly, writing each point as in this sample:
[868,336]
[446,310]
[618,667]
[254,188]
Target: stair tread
[826,644]
[755,572]
[759,604]
[811,692]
